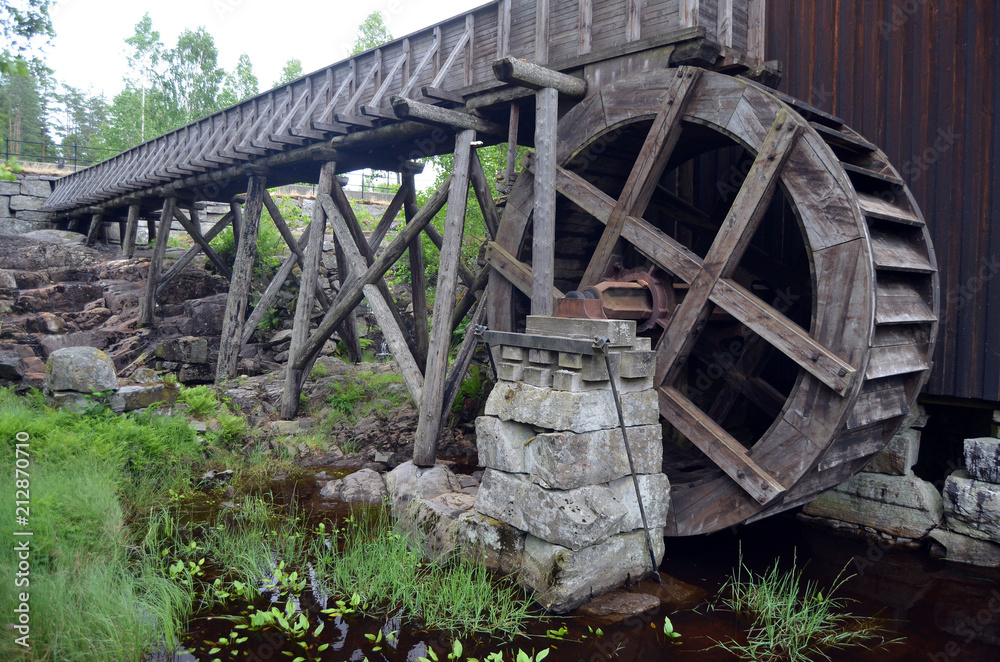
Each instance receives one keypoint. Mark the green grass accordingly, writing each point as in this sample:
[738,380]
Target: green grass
[202,401]
[365,394]
[788,619]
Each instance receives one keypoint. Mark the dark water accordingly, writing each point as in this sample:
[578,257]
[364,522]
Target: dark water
[942,611]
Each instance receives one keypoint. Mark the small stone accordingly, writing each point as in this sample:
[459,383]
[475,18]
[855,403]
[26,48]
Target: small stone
[284,428]
[11,365]
[131,398]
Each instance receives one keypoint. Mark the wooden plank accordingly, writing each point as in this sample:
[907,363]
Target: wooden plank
[873,406]
[724,25]
[892,252]
[544,223]
[719,445]
[852,445]
[388,218]
[515,271]
[192,253]
[446,67]
[503,28]
[896,360]
[689,13]
[307,286]
[633,20]
[239,284]
[192,229]
[642,180]
[431,414]
[899,302]
[131,230]
[509,171]
[875,207]
[585,27]
[728,247]
[756,29]
[147,315]
[484,197]
[95,226]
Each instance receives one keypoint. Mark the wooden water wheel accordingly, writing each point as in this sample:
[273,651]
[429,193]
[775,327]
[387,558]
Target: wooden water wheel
[804,280]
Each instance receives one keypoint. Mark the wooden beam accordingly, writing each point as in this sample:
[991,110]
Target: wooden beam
[463,358]
[431,414]
[192,253]
[512,129]
[418,282]
[307,286]
[95,227]
[237,218]
[508,266]
[428,114]
[756,28]
[463,271]
[646,173]
[503,28]
[388,218]
[351,293]
[689,13]
[206,248]
[534,76]
[585,27]
[147,315]
[725,451]
[468,299]
[131,228]
[484,197]
[633,19]
[724,29]
[542,31]
[239,284]
[544,216]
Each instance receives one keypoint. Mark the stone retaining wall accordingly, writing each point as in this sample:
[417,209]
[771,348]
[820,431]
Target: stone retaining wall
[21,200]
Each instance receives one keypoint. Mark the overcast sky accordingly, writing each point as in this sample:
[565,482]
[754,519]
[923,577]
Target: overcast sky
[89,49]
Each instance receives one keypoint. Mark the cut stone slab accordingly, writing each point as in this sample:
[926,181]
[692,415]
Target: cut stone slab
[130,398]
[620,332]
[26,202]
[618,605]
[574,518]
[899,455]
[972,507]
[563,579]
[496,546]
[965,549]
[187,349]
[36,187]
[903,506]
[584,411]
[81,369]
[982,459]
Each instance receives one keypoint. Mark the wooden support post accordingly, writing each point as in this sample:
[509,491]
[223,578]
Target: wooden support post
[585,26]
[239,284]
[689,13]
[348,329]
[121,234]
[95,227]
[431,413]
[131,226]
[503,29]
[544,232]
[509,171]
[484,197]
[237,211]
[542,31]
[418,282]
[191,227]
[303,308]
[512,70]
[756,27]
[284,271]
[724,26]
[150,230]
[147,313]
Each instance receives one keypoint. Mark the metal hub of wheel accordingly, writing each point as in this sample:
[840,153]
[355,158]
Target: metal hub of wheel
[801,312]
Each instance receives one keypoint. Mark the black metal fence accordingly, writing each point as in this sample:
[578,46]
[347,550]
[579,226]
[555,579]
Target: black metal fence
[63,155]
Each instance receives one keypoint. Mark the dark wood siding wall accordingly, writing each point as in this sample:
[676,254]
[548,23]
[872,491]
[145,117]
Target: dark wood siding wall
[920,79]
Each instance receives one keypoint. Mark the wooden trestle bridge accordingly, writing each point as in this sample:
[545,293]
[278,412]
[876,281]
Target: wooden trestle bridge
[783,272]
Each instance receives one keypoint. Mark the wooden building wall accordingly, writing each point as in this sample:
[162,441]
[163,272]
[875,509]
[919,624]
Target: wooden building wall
[920,78]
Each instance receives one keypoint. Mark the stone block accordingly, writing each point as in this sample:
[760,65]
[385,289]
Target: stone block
[9,188]
[565,460]
[31,215]
[583,411]
[620,332]
[36,187]
[964,549]
[508,353]
[496,546]
[574,518]
[4,207]
[903,506]
[570,360]
[11,365]
[637,364]
[362,486]
[204,315]
[972,507]
[570,380]
[195,373]
[982,458]
[510,372]
[187,349]
[536,376]
[899,455]
[26,203]
[563,578]
[542,357]
[502,444]
[81,369]
[132,397]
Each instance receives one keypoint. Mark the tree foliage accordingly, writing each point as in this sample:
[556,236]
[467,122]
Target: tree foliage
[25,26]
[291,71]
[372,33]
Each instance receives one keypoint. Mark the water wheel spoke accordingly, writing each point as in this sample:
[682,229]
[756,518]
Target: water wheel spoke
[728,453]
[645,175]
[728,247]
[785,335]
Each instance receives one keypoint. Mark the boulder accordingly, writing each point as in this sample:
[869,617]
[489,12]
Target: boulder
[81,369]
[964,549]
[364,486]
[139,396]
[903,506]
[408,481]
[972,507]
[563,578]
[617,605]
[899,455]
[11,365]
[982,459]
[204,316]
[187,349]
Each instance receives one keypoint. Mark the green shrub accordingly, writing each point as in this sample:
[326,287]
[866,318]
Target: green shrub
[201,400]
